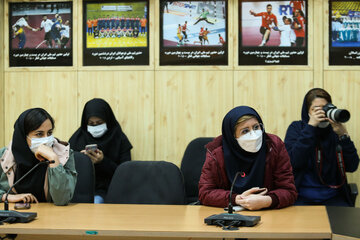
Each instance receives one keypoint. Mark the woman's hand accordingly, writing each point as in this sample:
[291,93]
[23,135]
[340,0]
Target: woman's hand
[23,197]
[96,156]
[255,202]
[46,153]
[338,128]
[254,199]
[317,115]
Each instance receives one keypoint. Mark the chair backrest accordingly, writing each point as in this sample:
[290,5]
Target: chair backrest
[85,185]
[146,182]
[191,166]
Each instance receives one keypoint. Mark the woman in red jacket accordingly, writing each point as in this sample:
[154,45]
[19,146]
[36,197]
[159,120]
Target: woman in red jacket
[266,175]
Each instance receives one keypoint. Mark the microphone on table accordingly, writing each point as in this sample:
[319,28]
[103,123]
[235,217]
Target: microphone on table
[230,220]
[7,215]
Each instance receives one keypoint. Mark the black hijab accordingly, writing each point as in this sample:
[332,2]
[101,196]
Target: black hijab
[25,160]
[326,140]
[236,158]
[112,143]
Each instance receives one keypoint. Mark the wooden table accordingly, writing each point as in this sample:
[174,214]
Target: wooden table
[168,221]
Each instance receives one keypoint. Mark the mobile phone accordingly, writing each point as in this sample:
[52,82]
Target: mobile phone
[20,205]
[235,208]
[91,147]
[260,190]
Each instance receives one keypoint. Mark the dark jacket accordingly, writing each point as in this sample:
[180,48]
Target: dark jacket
[301,141]
[214,186]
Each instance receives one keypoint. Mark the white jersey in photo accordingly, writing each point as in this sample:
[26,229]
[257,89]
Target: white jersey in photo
[46,25]
[21,22]
[65,31]
[287,36]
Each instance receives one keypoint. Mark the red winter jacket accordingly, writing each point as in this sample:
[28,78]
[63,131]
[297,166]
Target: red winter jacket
[214,186]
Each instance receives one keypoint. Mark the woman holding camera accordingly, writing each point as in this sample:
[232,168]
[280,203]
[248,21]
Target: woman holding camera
[33,142]
[259,159]
[321,151]
[100,129]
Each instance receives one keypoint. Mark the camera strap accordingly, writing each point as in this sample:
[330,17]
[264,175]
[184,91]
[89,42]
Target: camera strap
[340,163]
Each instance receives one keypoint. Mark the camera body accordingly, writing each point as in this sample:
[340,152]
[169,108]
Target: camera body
[335,114]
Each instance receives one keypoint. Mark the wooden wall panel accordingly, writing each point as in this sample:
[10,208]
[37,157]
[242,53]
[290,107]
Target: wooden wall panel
[277,96]
[189,104]
[53,91]
[344,88]
[131,96]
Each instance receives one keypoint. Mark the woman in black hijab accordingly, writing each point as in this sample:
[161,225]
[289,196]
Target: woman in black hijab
[259,158]
[33,142]
[99,126]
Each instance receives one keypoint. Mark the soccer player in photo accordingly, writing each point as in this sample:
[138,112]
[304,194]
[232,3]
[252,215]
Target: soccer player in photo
[102,33]
[287,35]
[65,34]
[296,5]
[203,17]
[119,32]
[221,40]
[94,24]
[113,32]
[19,33]
[201,36]
[129,32]
[299,27]
[136,32]
[143,22]
[205,33]
[267,19]
[19,30]
[89,24]
[179,35]
[55,31]
[108,33]
[46,24]
[183,30]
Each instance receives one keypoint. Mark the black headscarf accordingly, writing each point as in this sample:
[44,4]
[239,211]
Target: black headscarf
[112,143]
[25,160]
[236,158]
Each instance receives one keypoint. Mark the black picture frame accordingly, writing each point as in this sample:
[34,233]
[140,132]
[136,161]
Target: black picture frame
[204,40]
[344,33]
[116,46]
[40,34]
[255,22]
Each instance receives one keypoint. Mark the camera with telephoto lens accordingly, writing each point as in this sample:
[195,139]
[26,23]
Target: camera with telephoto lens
[335,114]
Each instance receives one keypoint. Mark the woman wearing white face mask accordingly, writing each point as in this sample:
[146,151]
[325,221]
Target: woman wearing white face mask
[33,142]
[312,142]
[99,126]
[266,179]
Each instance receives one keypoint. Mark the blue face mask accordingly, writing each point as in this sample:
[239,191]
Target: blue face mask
[97,131]
[36,142]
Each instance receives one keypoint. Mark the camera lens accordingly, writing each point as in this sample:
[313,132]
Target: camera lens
[335,114]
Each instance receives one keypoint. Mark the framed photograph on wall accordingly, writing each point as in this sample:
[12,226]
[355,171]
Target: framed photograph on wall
[40,34]
[116,33]
[344,32]
[193,32]
[273,32]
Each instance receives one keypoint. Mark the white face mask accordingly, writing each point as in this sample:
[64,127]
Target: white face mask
[36,142]
[323,124]
[97,131]
[251,142]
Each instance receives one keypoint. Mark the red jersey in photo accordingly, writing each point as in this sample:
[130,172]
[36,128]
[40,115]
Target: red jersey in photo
[300,32]
[267,19]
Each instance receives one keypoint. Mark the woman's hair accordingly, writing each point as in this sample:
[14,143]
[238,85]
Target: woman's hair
[35,118]
[243,119]
[316,93]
